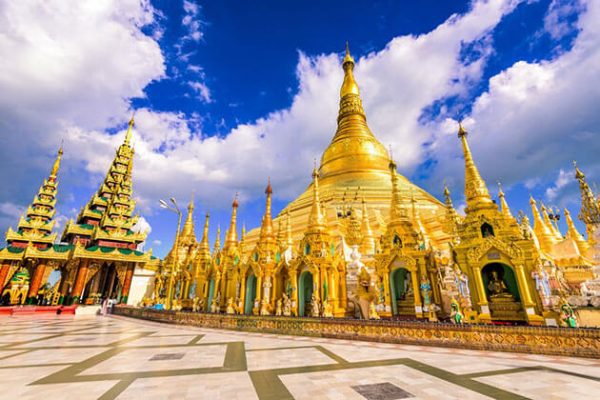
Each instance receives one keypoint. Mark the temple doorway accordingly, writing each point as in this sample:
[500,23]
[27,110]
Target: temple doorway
[211,293]
[250,294]
[402,293]
[305,292]
[502,292]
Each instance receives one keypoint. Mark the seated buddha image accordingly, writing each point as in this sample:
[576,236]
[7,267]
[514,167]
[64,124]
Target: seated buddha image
[498,288]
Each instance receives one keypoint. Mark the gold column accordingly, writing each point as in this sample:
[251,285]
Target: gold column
[483,303]
[417,292]
[243,294]
[524,287]
[342,294]
[259,289]
[386,289]
[294,284]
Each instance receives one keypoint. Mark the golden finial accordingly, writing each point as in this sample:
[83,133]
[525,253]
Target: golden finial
[578,174]
[129,133]
[461,130]
[348,57]
[349,87]
[267,232]
[269,189]
[56,165]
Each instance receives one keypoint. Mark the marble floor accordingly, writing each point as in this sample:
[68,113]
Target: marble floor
[117,358]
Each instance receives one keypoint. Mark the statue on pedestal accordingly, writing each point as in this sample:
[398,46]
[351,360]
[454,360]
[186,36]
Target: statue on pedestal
[314,306]
[287,305]
[230,309]
[498,288]
[279,308]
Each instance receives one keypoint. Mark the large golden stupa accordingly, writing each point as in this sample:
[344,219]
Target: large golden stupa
[355,167]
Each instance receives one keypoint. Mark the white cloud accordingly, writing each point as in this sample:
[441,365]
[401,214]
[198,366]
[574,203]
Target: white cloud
[67,64]
[559,20]
[172,159]
[562,180]
[536,117]
[191,20]
[201,90]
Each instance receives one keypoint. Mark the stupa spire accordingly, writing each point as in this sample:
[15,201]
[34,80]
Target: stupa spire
[56,165]
[551,227]
[129,133]
[266,228]
[204,245]
[217,246]
[316,222]
[542,232]
[38,223]
[187,232]
[396,210]
[476,191]
[573,233]
[361,152]
[232,237]
[590,206]
[504,208]
[368,241]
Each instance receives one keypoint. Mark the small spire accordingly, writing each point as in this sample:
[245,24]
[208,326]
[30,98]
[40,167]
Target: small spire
[218,239]
[187,232]
[578,174]
[447,198]
[267,233]
[396,212]
[349,87]
[503,204]
[476,191]
[56,165]
[368,241]
[573,233]
[315,219]
[348,57]
[129,133]
[204,245]
[232,237]
[590,206]
[542,232]
[553,229]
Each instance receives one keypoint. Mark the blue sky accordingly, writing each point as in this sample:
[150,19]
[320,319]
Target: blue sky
[228,93]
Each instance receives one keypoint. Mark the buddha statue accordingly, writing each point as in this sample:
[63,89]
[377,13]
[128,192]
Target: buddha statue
[498,288]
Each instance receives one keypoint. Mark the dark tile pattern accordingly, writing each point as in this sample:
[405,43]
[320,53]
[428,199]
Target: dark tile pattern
[382,391]
[167,356]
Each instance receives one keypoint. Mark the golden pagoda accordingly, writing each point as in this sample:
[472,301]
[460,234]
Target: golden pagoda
[364,241]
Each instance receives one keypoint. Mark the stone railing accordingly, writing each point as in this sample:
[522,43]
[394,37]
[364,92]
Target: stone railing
[522,339]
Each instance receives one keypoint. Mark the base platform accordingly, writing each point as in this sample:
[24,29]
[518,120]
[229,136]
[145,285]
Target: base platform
[579,342]
[37,310]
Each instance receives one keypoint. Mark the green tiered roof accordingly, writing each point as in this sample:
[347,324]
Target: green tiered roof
[107,220]
[37,224]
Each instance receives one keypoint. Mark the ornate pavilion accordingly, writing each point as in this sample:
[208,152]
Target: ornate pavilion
[363,241]
[97,255]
